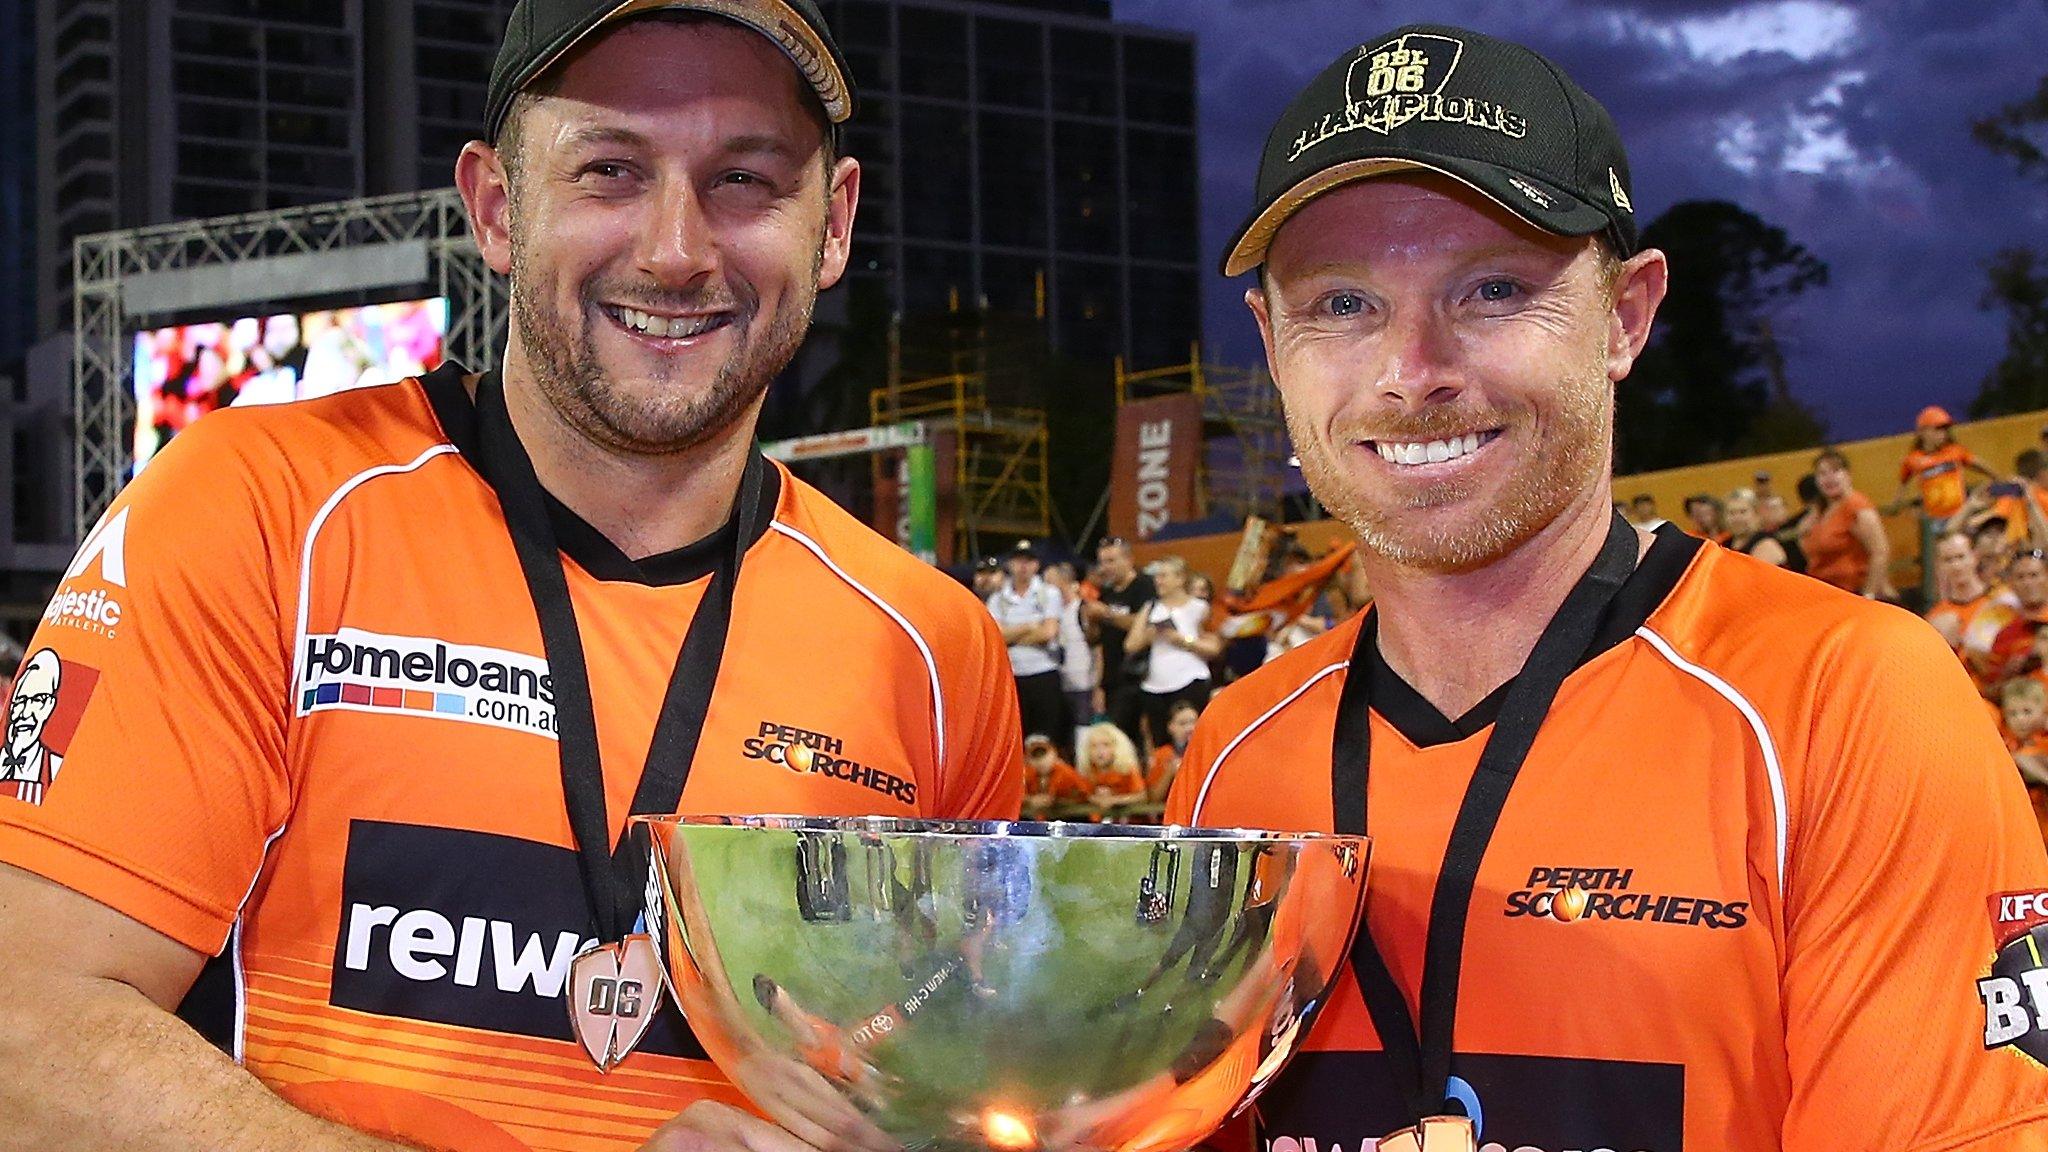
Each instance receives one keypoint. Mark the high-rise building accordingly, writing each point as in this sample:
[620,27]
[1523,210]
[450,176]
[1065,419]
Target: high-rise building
[1027,156]
[1034,158]
[173,109]
[17,184]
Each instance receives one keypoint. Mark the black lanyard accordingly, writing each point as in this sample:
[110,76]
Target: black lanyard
[613,878]
[1422,1067]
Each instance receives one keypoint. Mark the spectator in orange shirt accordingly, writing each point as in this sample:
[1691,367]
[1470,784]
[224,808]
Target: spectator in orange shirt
[1845,545]
[1048,780]
[2023,721]
[1964,594]
[1166,758]
[1935,465]
[1111,767]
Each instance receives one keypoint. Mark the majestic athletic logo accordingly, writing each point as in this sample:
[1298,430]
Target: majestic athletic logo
[95,610]
[42,712]
[1569,895]
[1400,81]
[362,671]
[803,751]
[467,928]
[2015,989]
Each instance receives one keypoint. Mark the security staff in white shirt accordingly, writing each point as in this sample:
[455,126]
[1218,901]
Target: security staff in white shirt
[1028,609]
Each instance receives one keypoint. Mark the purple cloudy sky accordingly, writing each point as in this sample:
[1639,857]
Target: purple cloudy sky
[1846,124]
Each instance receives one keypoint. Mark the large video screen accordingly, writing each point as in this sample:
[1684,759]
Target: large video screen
[182,373]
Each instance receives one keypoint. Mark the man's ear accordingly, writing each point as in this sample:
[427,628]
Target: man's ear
[1255,298]
[843,201]
[487,196]
[1639,288]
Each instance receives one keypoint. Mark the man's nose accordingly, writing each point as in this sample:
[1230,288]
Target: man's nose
[679,245]
[1420,358]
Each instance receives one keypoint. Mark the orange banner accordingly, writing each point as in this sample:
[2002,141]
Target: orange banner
[1153,479]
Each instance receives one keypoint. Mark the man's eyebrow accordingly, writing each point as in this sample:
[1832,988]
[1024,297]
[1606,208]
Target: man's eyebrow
[590,135]
[762,143]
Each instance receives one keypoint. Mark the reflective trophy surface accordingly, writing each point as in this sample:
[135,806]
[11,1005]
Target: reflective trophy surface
[888,984]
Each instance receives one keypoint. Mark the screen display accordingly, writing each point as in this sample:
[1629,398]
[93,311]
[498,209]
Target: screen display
[182,373]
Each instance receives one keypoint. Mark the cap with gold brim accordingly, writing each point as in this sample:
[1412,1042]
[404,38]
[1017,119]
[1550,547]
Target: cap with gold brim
[540,32]
[1489,114]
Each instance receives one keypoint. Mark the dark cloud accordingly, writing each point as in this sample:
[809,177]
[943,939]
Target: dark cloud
[1861,152]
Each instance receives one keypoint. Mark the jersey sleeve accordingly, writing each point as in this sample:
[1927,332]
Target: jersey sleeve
[985,753]
[154,780]
[1913,839]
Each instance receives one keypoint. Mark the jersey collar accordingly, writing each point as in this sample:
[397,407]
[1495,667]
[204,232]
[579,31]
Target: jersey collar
[455,407]
[1419,722]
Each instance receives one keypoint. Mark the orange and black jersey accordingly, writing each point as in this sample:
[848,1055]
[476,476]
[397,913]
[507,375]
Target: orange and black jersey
[305,720]
[1765,881]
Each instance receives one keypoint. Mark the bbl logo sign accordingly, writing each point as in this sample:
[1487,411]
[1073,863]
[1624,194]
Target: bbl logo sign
[2015,993]
[1403,80]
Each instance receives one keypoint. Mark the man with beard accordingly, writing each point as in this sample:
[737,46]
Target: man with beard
[1671,847]
[371,730]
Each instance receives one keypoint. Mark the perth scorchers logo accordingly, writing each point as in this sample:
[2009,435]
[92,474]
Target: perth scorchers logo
[1403,80]
[2015,988]
[803,751]
[1572,895]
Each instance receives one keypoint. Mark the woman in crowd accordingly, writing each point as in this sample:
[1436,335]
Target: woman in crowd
[1746,533]
[1175,629]
[1077,655]
[1845,545]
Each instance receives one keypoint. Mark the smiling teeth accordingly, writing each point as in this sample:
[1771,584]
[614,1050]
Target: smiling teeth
[1431,452]
[672,327]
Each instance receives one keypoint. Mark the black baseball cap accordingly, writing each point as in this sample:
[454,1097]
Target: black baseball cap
[540,32]
[1021,550]
[1487,113]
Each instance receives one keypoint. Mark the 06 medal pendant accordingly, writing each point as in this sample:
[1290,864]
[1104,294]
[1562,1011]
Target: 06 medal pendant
[614,990]
[1434,1134]
[615,986]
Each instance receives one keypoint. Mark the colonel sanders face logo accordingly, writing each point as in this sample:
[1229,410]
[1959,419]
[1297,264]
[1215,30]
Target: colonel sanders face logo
[27,763]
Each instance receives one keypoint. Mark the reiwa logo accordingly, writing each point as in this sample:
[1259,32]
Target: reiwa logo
[1403,80]
[95,610]
[360,671]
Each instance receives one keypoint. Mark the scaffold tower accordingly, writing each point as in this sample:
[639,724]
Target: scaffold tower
[1245,467]
[999,458]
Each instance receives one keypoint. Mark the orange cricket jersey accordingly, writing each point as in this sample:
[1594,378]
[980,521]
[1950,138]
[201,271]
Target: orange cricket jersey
[305,717]
[1766,882]
[1940,476]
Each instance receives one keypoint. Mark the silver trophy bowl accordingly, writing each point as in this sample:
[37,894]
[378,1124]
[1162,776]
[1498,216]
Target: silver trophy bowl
[877,984]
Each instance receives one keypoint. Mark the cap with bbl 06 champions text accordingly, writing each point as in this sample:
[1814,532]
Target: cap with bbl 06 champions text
[541,32]
[1487,113]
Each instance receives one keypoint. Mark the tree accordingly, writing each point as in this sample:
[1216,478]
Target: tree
[2017,278]
[1711,385]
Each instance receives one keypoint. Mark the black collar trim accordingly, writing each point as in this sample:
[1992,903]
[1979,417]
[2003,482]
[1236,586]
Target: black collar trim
[1419,722]
[455,408]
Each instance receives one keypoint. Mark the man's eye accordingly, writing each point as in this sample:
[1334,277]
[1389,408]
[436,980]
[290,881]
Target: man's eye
[1345,304]
[606,170]
[1495,291]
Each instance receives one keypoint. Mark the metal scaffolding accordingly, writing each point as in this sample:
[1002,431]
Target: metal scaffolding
[1245,468]
[107,268]
[999,461]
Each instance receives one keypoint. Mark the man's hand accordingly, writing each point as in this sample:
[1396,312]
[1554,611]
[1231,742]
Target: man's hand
[708,1126]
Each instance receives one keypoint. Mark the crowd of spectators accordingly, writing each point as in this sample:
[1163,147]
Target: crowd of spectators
[1985,579]
[1114,664]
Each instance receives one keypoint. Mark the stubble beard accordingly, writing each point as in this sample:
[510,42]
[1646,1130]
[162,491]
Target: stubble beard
[1571,461]
[667,416]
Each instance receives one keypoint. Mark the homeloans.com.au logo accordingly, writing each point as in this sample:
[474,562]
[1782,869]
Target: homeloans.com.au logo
[363,671]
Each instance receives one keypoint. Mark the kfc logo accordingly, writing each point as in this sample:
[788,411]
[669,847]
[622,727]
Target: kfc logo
[42,713]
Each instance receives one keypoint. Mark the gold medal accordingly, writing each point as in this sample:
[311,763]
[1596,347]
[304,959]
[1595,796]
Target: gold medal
[614,991]
[1434,1134]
